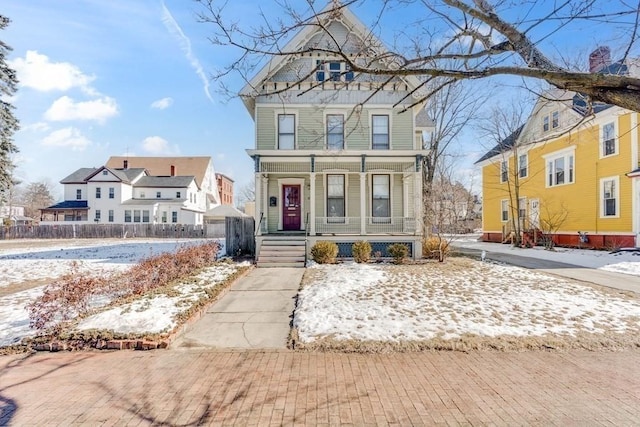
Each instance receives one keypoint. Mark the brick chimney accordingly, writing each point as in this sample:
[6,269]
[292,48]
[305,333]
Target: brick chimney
[599,59]
[173,170]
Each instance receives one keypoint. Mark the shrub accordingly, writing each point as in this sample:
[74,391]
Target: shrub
[71,295]
[399,252]
[361,251]
[324,252]
[432,246]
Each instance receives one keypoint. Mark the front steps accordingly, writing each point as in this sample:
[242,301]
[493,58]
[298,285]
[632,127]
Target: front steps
[287,252]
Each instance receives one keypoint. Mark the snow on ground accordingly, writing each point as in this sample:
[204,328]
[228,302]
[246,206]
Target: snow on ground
[626,262]
[30,261]
[35,263]
[157,313]
[419,302]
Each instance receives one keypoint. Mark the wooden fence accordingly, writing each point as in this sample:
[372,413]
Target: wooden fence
[240,238]
[104,231]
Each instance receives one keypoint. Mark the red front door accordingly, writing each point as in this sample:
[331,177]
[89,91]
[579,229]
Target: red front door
[291,214]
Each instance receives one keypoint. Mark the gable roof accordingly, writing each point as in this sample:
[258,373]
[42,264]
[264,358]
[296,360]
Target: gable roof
[503,146]
[124,175]
[165,181]
[161,166]
[327,15]
[79,177]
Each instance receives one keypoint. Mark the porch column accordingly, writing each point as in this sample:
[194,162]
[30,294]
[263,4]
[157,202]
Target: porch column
[419,205]
[265,199]
[258,202]
[312,204]
[363,203]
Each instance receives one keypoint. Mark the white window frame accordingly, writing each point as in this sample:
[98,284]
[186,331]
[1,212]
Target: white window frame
[326,127]
[616,149]
[566,153]
[389,127]
[295,129]
[111,213]
[330,73]
[504,171]
[554,119]
[112,192]
[526,165]
[546,123]
[336,220]
[503,203]
[98,192]
[616,194]
[381,219]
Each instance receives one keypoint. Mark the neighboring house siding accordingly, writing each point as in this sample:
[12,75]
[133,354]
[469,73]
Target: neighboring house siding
[582,199]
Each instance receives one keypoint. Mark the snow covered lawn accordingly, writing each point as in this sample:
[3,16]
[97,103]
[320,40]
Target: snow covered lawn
[27,266]
[461,303]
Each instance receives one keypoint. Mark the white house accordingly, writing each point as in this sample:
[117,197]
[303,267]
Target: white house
[128,195]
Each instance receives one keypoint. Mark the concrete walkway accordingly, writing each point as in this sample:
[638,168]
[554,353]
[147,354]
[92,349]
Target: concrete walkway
[610,279]
[254,314]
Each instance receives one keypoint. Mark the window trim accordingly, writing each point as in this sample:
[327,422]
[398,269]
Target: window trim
[337,219]
[112,192]
[295,129]
[382,219]
[344,75]
[616,142]
[551,157]
[174,217]
[389,124]
[98,192]
[526,166]
[504,171]
[110,215]
[327,130]
[78,194]
[503,211]
[616,183]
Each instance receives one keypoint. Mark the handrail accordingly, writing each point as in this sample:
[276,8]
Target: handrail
[306,238]
[255,233]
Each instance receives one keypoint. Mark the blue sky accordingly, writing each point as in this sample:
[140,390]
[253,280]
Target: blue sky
[101,78]
[115,77]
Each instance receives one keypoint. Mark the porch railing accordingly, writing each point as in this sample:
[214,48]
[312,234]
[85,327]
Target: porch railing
[373,225]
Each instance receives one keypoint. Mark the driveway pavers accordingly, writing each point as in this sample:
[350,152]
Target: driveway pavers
[179,387]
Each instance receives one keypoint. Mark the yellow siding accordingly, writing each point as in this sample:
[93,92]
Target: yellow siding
[581,200]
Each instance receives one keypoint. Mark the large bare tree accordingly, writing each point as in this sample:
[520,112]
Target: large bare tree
[484,38]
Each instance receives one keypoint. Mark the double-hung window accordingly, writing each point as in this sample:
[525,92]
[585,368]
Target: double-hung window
[560,169]
[174,217]
[610,196]
[380,131]
[98,192]
[78,194]
[522,165]
[98,215]
[286,131]
[145,215]
[504,171]
[112,193]
[555,119]
[335,198]
[110,215]
[158,194]
[381,200]
[504,206]
[136,215]
[608,145]
[335,131]
[127,215]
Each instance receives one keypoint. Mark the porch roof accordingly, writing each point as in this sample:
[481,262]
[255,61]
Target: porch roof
[68,204]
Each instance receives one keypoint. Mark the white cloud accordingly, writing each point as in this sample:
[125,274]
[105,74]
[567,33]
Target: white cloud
[67,137]
[65,108]
[158,145]
[185,45]
[162,104]
[37,72]
[36,127]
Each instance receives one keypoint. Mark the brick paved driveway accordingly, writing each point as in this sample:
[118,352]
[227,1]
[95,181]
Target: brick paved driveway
[260,388]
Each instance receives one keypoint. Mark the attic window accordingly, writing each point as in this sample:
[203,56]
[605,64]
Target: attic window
[335,71]
[105,172]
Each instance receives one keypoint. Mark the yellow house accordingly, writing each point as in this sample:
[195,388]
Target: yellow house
[571,171]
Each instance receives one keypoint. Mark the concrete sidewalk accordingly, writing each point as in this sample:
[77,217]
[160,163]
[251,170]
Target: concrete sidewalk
[254,314]
[610,279]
